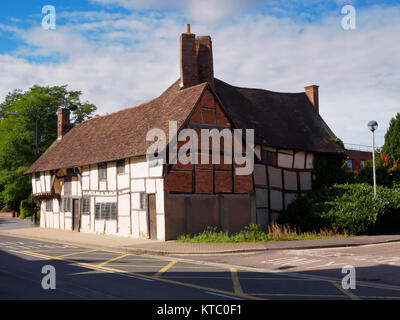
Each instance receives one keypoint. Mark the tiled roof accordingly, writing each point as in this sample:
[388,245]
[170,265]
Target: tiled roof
[120,134]
[283,120]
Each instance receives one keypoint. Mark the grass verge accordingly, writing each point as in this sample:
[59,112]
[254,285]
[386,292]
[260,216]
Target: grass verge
[253,233]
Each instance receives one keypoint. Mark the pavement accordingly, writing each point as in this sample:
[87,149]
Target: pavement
[174,247]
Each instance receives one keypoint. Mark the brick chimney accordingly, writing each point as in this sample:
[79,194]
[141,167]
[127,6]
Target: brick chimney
[312,94]
[189,71]
[196,60]
[205,59]
[63,124]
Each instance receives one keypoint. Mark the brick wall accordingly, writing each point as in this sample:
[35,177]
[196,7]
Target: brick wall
[207,178]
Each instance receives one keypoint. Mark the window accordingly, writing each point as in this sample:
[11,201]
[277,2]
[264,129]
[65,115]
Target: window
[67,185]
[37,176]
[102,171]
[86,205]
[65,205]
[49,205]
[121,166]
[142,201]
[106,211]
[350,164]
[269,157]
[362,164]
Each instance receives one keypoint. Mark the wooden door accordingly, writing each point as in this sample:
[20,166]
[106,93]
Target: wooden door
[76,215]
[152,216]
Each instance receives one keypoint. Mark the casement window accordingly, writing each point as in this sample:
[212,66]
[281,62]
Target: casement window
[269,157]
[37,176]
[121,167]
[86,205]
[67,185]
[102,171]
[142,201]
[65,205]
[49,205]
[106,211]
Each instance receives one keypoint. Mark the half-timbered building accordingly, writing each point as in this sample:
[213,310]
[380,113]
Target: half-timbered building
[96,177]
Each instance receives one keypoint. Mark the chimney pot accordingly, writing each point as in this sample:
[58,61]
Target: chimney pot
[63,123]
[313,96]
[187,28]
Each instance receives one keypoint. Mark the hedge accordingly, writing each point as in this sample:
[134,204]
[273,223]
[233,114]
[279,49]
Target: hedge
[348,208]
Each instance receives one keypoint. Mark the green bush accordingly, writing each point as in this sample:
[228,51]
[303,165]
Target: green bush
[348,208]
[25,208]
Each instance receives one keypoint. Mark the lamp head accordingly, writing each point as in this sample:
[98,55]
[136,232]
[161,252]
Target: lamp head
[372,125]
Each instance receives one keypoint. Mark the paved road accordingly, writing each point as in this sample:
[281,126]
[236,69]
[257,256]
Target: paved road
[378,264]
[88,273]
[7,223]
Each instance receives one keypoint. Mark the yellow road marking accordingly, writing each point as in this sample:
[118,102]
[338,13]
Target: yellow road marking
[346,292]
[149,277]
[235,280]
[112,259]
[75,253]
[165,268]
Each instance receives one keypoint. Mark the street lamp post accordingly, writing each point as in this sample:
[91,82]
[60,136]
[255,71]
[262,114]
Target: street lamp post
[373,125]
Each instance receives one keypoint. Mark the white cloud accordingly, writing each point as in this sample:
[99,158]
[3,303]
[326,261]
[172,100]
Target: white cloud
[133,58]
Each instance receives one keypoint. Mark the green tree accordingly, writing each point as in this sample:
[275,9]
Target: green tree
[17,133]
[392,139]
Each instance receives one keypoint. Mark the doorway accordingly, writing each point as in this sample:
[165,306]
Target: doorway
[152,216]
[76,215]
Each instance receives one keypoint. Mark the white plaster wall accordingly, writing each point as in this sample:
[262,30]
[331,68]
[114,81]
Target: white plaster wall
[68,220]
[143,230]
[94,178]
[290,179]
[305,181]
[112,176]
[140,169]
[285,160]
[260,176]
[135,224]
[276,200]
[309,162]
[47,179]
[138,185]
[42,215]
[85,183]
[160,196]
[299,160]
[156,171]
[103,185]
[33,184]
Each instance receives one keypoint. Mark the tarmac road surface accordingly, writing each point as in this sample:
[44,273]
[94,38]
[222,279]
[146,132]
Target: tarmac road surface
[90,273]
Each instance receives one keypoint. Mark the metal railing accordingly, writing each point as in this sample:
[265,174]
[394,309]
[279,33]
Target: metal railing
[357,147]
